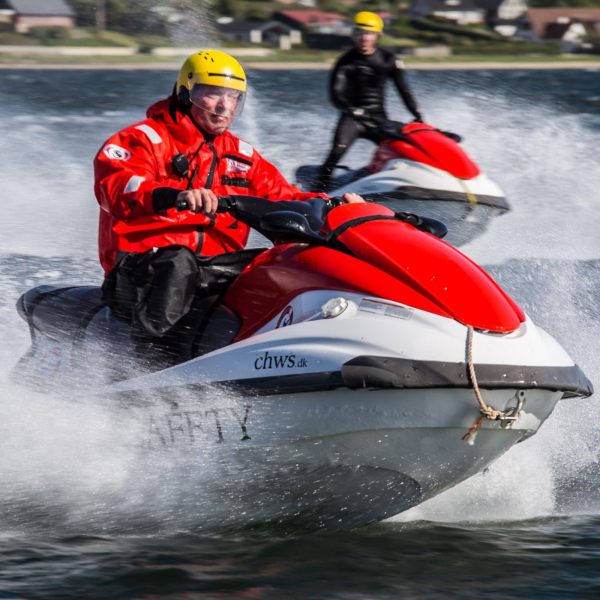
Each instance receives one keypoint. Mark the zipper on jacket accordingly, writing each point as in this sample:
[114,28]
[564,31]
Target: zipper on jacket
[213,164]
[207,185]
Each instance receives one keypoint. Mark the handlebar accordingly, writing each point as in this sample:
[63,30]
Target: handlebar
[251,210]
[226,203]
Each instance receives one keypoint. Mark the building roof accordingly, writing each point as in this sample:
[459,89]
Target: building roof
[490,4]
[245,26]
[50,8]
[441,6]
[557,31]
[312,17]
[540,18]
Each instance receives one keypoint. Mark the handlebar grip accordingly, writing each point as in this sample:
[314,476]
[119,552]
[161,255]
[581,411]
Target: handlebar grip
[335,201]
[182,205]
[225,204]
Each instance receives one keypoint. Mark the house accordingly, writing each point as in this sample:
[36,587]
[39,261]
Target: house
[505,17]
[309,3]
[502,10]
[569,26]
[461,12]
[257,32]
[6,14]
[386,17]
[315,21]
[38,13]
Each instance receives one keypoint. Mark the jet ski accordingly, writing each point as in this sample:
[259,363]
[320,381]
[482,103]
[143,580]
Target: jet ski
[355,369]
[423,170]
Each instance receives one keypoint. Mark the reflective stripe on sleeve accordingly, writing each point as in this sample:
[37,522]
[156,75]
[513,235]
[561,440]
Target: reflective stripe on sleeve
[133,185]
[152,135]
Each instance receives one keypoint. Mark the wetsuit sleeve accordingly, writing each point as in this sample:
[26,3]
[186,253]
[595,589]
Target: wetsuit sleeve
[397,74]
[338,85]
[125,176]
[267,182]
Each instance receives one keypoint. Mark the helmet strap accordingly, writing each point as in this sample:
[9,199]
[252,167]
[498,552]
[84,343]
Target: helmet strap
[183,100]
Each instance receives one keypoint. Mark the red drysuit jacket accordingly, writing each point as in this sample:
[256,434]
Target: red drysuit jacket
[137,160]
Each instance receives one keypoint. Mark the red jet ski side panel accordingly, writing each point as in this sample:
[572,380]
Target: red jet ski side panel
[276,277]
[430,267]
[425,144]
[392,260]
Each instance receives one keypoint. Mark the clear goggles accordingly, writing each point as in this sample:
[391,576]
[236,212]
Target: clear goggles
[357,32]
[221,101]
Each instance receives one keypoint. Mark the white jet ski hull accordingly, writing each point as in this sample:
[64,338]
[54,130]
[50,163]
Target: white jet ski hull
[466,206]
[328,421]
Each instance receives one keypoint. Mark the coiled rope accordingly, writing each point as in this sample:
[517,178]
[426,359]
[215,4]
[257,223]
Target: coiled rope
[486,411]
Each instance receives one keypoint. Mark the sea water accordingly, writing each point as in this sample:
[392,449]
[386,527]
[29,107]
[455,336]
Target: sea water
[84,514]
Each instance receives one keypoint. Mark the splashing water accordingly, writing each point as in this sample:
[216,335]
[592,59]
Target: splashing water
[84,465]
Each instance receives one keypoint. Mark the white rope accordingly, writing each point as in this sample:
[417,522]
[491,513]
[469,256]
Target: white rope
[486,411]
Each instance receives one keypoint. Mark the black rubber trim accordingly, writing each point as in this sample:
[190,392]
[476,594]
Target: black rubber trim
[417,193]
[376,372]
[287,384]
[240,182]
[238,158]
[381,372]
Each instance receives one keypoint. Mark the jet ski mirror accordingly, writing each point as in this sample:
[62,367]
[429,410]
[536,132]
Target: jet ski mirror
[426,224]
[289,225]
[453,136]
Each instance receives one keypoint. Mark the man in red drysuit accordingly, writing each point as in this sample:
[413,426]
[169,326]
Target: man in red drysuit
[182,151]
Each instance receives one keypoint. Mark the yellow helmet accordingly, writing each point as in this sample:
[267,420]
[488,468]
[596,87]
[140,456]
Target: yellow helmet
[212,68]
[368,21]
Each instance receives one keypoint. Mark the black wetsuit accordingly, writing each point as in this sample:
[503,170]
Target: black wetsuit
[357,86]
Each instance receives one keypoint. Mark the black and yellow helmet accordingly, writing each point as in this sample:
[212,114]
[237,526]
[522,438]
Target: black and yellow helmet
[212,68]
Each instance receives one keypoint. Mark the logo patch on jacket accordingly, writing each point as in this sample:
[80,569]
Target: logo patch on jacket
[116,152]
[235,166]
[246,149]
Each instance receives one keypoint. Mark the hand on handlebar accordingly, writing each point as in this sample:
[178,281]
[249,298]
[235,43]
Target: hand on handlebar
[201,200]
[352,198]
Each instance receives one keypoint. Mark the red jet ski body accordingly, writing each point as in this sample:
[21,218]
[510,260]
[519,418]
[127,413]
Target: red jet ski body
[387,258]
[426,144]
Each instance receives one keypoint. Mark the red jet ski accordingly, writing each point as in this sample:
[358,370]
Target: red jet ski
[359,367]
[424,170]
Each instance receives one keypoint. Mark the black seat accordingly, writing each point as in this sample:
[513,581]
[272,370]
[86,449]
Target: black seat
[77,317]
[59,313]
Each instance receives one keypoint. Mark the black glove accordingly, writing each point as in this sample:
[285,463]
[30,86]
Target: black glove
[418,118]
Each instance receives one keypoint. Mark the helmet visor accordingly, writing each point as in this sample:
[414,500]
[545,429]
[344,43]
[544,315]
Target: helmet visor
[217,100]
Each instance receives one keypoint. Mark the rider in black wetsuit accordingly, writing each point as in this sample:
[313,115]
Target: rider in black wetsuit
[357,87]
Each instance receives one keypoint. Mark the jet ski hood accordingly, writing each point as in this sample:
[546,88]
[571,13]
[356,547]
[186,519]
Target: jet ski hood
[428,145]
[430,266]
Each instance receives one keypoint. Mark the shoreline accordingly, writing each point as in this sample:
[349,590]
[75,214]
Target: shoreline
[309,66]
